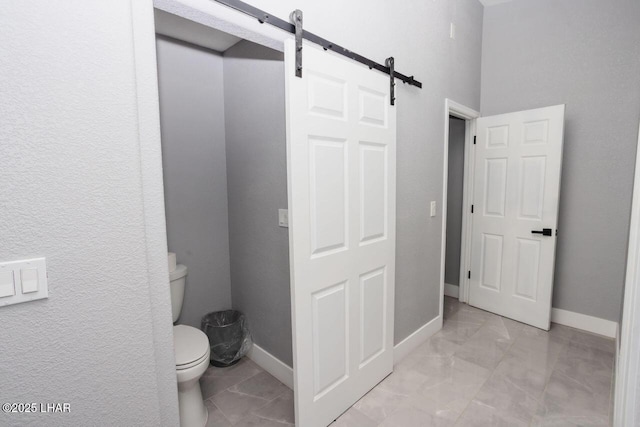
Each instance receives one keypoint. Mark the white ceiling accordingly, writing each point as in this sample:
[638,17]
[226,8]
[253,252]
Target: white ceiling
[179,28]
[486,3]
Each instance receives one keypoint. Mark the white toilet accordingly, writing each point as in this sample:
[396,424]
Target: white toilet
[192,357]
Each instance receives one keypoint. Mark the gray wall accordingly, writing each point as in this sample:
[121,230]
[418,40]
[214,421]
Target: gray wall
[71,136]
[190,81]
[585,54]
[455,187]
[417,35]
[224,159]
[257,188]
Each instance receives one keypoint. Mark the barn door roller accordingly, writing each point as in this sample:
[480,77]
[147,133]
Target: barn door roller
[296,17]
[392,85]
[295,27]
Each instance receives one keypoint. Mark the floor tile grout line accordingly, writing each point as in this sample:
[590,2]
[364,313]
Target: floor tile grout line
[548,380]
[568,377]
[228,388]
[242,393]
[221,411]
[253,412]
[210,398]
[386,391]
[481,385]
[242,418]
[493,370]
[269,402]
[576,381]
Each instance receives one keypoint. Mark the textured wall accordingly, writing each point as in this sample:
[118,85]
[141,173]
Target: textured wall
[72,180]
[416,33]
[455,187]
[190,81]
[585,54]
[257,188]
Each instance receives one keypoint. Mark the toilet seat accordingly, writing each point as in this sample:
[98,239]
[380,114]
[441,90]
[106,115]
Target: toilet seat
[191,346]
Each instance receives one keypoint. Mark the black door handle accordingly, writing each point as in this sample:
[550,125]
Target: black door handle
[544,232]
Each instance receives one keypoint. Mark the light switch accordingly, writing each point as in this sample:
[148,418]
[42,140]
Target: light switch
[7,284]
[23,281]
[29,279]
[433,208]
[283,217]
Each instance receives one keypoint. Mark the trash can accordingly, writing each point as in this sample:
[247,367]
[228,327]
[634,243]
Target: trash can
[228,335]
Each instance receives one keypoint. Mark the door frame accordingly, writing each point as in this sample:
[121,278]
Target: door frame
[628,343]
[469,115]
[218,17]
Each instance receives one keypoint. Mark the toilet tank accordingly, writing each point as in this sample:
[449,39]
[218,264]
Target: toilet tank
[177,280]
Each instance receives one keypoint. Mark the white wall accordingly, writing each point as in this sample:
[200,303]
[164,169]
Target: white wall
[191,88]
[585,54]
[72,176]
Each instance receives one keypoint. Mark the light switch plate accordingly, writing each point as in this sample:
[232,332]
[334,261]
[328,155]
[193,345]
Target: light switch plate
[29,279]
[7,284]
[283,218]
[433,208]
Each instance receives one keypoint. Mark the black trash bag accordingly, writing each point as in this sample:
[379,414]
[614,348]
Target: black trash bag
[229,336]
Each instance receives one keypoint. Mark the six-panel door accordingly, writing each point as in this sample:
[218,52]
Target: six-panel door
[341,166]
[518,158]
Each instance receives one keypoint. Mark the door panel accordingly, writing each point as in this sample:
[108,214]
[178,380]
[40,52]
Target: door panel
[373,315]
[528,265]
[373,191]
[531,194]
[495,184]
[330,313]
[327,95]
[329,194]
[341,174]
[492,262]
[518,158]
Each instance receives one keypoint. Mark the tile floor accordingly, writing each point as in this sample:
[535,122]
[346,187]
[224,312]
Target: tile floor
[479,370]
[244,395]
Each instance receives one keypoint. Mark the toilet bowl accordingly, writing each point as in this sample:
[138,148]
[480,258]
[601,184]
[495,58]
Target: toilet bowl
[191,347]
[192,360]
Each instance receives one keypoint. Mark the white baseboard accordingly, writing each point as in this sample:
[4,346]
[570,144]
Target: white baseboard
[584,322]
[413,341]
[284,373]
[451,290]
[272,365]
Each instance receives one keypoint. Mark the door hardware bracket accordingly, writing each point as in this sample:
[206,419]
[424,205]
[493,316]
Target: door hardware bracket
[296,17]
[389,62]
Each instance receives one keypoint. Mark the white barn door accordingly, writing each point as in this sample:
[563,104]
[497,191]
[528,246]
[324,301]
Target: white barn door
[518,159]
[341,158]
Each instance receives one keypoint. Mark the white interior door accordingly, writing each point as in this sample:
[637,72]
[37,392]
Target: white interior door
[341,158]
[518,159]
